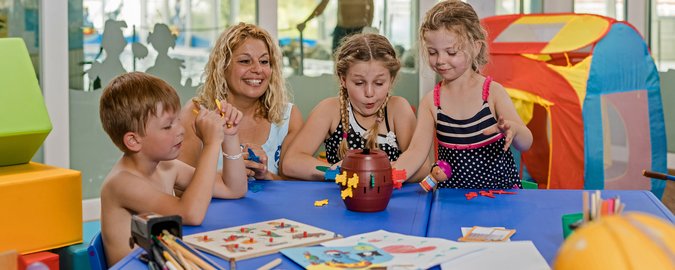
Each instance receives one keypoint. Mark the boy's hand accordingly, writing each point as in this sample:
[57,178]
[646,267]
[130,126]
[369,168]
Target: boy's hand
[255,169]
[232,117]
[209,126]
[504,127]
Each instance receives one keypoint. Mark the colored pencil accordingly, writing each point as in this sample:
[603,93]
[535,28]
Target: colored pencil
[657,175]
[171,260]
[197,253]
[271,264]
[585,205]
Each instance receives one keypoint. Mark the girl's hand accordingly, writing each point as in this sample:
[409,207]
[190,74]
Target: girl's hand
[503,127]
[334,166]
[231,115]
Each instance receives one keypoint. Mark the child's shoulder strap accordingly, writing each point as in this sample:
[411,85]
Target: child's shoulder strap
[437,94]
[486,88]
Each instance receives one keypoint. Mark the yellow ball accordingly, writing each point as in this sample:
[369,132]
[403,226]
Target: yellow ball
[631,241]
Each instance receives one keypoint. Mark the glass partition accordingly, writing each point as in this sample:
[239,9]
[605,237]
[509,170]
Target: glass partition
[309,69]
[171,39]
[663,34]
[21,19]
[609,8]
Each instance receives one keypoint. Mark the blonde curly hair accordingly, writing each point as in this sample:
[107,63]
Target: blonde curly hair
[460,18]
[273,101]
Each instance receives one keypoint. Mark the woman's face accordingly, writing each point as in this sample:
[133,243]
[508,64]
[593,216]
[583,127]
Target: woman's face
[368,84]
[249,72]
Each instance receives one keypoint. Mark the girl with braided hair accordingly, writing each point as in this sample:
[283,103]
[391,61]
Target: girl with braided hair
[363,115]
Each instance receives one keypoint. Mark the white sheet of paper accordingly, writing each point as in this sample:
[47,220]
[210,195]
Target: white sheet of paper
[410,252]
[516,255]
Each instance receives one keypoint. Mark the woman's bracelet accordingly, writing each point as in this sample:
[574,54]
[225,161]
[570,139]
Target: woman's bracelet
[233,157]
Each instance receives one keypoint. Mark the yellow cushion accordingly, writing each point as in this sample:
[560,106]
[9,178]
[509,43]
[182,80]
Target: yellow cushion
[41,207]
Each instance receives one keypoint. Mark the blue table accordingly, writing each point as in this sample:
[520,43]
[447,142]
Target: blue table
[407,213]
[535,214]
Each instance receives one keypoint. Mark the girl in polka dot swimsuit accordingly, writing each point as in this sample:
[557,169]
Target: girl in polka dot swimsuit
[470,117]
[363,115]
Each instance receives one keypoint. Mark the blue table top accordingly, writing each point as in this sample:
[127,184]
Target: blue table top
[407,213]
[535,214]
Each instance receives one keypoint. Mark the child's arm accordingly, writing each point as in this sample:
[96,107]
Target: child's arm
[509,123]
[414,156]
[234,182]
[294,126]
[404,120]
[404,125]
[140,193]
[299,161]
[192,145]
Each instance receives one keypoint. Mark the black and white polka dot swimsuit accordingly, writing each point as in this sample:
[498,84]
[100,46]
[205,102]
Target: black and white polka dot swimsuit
[478,161]
[355,139]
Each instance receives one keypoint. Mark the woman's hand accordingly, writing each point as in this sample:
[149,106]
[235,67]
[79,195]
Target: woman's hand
[257,170]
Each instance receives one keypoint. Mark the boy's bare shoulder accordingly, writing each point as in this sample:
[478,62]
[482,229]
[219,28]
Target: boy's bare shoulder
[118,181]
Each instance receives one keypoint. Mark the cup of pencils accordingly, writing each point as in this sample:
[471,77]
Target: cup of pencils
[160,237]
[594,208]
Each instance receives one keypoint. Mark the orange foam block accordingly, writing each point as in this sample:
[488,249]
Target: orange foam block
[41,207]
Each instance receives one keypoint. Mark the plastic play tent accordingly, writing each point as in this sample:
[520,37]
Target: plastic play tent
[588,89]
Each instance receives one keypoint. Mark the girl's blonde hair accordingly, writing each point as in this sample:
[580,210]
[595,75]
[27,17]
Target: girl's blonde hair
[273,101]
[363,47]
[460,18]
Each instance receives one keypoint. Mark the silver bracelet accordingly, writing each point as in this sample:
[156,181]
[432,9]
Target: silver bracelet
[233,157]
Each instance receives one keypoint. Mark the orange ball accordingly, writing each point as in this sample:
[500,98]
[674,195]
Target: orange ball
[632,241]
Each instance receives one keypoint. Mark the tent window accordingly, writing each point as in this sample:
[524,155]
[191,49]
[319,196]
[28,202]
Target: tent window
[529,32]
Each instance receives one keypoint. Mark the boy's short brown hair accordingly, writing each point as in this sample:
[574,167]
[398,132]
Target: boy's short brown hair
[128,101]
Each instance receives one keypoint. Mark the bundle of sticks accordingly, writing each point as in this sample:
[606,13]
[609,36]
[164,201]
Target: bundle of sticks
[170,252]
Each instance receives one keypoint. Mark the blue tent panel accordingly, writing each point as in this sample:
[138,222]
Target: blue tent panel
[621,62]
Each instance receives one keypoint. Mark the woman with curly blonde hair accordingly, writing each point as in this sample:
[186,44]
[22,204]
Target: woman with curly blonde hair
[244,69]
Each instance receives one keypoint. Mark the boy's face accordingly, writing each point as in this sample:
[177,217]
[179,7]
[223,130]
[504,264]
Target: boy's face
[163,135]
[249,72]
[368,84]
[444,56]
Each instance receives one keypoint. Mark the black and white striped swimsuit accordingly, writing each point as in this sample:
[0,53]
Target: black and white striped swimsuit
[478,161]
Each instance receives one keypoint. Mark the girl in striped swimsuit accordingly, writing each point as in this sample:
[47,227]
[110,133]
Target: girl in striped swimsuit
[472,117]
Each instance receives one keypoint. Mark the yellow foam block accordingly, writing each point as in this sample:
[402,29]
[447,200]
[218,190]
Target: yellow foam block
[41,207]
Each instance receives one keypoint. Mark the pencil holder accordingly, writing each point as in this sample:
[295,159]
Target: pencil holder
[570,222]
[146,226]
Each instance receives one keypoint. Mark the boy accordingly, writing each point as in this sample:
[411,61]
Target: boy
[140,114]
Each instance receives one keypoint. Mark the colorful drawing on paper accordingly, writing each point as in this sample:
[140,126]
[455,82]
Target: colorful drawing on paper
[258,239]
[359,256]
[408,252]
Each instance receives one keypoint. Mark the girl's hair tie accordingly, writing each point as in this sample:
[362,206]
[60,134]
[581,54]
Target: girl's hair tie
[344,135]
